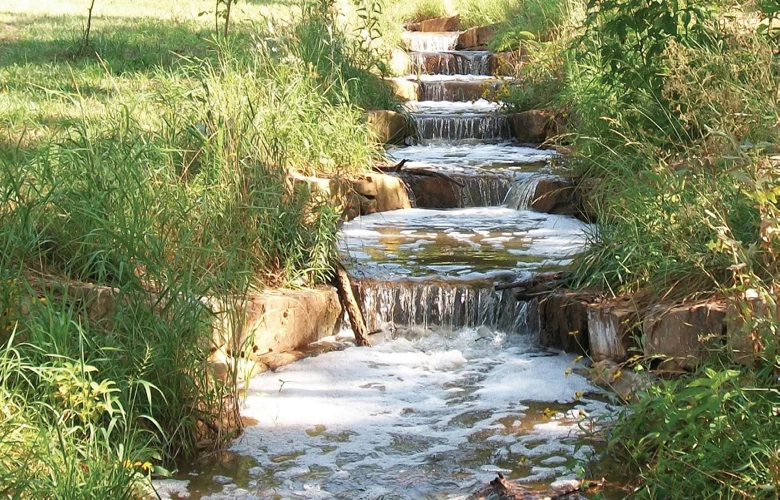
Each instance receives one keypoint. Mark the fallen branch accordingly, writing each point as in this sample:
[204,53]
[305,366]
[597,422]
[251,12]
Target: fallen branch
[502,489]
[399,167]
[393,169]
[356,320]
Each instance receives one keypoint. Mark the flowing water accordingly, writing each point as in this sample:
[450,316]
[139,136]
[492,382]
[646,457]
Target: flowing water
[455,387]
[456,62]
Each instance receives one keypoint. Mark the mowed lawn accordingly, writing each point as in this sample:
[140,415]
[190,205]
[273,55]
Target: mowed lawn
[138,54]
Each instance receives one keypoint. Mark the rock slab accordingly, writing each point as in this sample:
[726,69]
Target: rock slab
[682,335]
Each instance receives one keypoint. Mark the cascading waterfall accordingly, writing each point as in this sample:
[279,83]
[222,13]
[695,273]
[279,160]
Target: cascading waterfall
[458,128]
[450,63]
[522,192]
[482,191]
[448,305]
[431,42]
[454,90]
[456,387]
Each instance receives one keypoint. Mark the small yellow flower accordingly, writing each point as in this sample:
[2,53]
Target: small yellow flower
[548,413]
[574,332]
[578,395]
[42,300]
[147,466]
[567,372]
[576,360]
[617,375]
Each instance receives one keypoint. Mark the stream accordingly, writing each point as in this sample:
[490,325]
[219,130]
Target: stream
[456,387]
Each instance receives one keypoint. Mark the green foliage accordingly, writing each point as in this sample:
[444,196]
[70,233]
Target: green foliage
[540,20]
[668,165]
[344,65]
[539,81]
[627,38]
[711,435]
[156,182]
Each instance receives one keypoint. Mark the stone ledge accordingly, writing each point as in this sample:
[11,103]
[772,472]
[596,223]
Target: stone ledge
[536,126]
[477,37]
[367,194]
[389,127]
[683,334]
[438,24]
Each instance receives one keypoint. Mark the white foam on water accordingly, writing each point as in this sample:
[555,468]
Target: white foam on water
[452,107]
[457,78]
[515,161]
[412,416]
[430,42]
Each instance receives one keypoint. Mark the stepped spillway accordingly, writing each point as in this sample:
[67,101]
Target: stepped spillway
[456,387]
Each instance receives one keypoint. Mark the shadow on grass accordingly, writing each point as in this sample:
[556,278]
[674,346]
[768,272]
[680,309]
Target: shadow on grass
[122,45]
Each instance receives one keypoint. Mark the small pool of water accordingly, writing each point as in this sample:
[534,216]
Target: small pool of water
[422,414]
[468,243]
[466,158]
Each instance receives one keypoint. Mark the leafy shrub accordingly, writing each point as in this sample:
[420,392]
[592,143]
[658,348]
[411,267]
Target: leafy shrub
[628,38]
[713,435]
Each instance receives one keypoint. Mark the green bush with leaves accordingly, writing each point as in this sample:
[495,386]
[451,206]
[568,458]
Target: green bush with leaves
[713,435]
[627,38]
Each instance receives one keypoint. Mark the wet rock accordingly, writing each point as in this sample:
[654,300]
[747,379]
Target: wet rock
[405,89]
[502,489]
[611,324]
[432,192]
[274,360]
[439,24]
[388,191]
[455,90]
[683,334]
[563,317]
[476,37]
[535,126]
[389,127]
[276,321]
[556,195]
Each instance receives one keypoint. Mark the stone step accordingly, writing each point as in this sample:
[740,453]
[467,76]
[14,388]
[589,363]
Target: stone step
[458,62]
[447,23]
[457,128]
[456,89]
[485,189]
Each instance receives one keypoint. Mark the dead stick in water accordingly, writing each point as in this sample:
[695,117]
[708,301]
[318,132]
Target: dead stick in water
[395,168]
[356,320]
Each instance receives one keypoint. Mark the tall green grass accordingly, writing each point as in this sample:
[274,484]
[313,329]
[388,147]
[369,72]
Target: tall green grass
[157,186]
